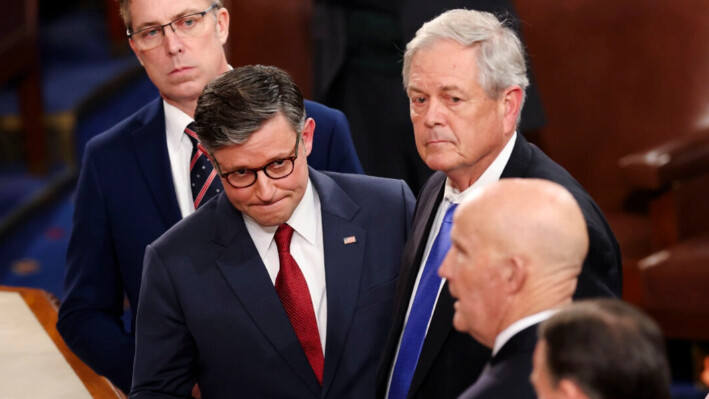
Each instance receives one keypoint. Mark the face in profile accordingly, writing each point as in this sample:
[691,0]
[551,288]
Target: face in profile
[269,202]
[181,67]
[457,127]
[471,268]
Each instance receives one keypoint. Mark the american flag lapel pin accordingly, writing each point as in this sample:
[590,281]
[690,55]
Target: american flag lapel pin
[349,240]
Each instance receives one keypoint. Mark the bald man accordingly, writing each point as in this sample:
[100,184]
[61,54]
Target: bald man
[517,250]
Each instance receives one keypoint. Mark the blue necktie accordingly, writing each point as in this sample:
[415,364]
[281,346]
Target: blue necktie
[421,310]
[203,178]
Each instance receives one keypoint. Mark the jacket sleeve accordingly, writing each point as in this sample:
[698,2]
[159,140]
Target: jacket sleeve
[166,353]
[342,154]
[90,314]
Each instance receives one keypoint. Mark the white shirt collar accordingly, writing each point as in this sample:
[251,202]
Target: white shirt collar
[175,123]
[518,326]
[491,174]
[301,221]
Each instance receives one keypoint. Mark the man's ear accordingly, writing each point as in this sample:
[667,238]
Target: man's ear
[223,25]
[571,390]
[515,273]
[307,135]
[512,103]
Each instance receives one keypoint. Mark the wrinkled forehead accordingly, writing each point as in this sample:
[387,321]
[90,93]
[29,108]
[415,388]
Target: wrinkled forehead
[150,12]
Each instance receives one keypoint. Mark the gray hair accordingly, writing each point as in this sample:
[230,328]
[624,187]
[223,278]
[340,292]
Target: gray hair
[124,9]
[236,104]
[500,57]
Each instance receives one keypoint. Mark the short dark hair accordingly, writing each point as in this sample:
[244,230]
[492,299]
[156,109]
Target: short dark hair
[610,349]
[239,102]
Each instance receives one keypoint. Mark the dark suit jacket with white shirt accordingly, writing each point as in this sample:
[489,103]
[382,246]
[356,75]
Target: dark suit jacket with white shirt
[209,313]
[507,373]
[450,361]
[125,199]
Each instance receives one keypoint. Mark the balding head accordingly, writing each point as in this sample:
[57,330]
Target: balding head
[517,249]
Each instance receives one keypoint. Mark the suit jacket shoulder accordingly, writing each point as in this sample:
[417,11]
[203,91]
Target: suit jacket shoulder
[333,149]
[602,271]
[507,375]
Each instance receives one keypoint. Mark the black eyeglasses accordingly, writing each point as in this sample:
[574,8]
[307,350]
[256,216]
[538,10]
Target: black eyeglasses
[278,169]
[185,26]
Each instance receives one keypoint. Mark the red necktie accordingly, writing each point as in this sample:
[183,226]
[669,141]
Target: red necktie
[295,297]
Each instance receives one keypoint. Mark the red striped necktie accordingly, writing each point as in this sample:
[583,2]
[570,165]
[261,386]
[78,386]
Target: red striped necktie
[295,297]
[203,178]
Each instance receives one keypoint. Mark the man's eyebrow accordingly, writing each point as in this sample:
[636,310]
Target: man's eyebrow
[446,88]
[414,89]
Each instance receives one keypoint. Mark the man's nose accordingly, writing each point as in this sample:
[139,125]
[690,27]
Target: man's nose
[170,38]
[264,186]
[444,269]
[434,113]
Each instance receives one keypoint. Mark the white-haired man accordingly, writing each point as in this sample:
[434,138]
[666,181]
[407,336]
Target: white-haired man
[465,75]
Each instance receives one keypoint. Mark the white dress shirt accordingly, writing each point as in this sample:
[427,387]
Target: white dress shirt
[518,326]
[306,248]
[179,149]
[452,195]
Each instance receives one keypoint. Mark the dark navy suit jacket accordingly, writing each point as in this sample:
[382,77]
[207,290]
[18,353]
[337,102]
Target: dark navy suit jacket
[209,313]
[451,361]
[507,374]
[125,199]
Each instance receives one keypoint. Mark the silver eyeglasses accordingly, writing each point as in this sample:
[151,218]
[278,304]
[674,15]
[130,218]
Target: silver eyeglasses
[185,26]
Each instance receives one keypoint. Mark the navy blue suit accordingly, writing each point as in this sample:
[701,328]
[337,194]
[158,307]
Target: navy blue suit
[209,313]
[450,361]
[507,373]
[126,199]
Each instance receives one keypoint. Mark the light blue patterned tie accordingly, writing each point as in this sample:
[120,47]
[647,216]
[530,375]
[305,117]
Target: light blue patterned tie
[420,314]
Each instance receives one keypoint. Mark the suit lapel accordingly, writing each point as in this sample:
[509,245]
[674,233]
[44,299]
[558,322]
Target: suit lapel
[426,207]
[150,147]
[522,342]
[343,267]
[431,197]
[243,269]
[519,160]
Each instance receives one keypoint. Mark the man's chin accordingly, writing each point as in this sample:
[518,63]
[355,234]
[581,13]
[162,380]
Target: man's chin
[439,161]
[266,218]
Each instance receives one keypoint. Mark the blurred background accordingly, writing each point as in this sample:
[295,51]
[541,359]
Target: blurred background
[620,98]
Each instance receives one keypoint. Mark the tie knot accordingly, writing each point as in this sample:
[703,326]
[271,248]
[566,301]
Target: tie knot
[448,217]
[189,131]
[284,233]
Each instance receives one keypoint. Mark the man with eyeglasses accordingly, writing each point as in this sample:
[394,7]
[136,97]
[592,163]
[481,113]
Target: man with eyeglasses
[139,178]
[282,286]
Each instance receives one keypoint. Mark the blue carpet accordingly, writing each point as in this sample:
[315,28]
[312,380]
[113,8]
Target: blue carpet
[75,61]
[34,255]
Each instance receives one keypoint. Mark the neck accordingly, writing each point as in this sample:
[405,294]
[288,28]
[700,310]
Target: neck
[541,298]
[188,107]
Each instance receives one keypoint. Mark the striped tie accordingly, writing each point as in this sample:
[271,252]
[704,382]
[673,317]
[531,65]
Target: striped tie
[203,178]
